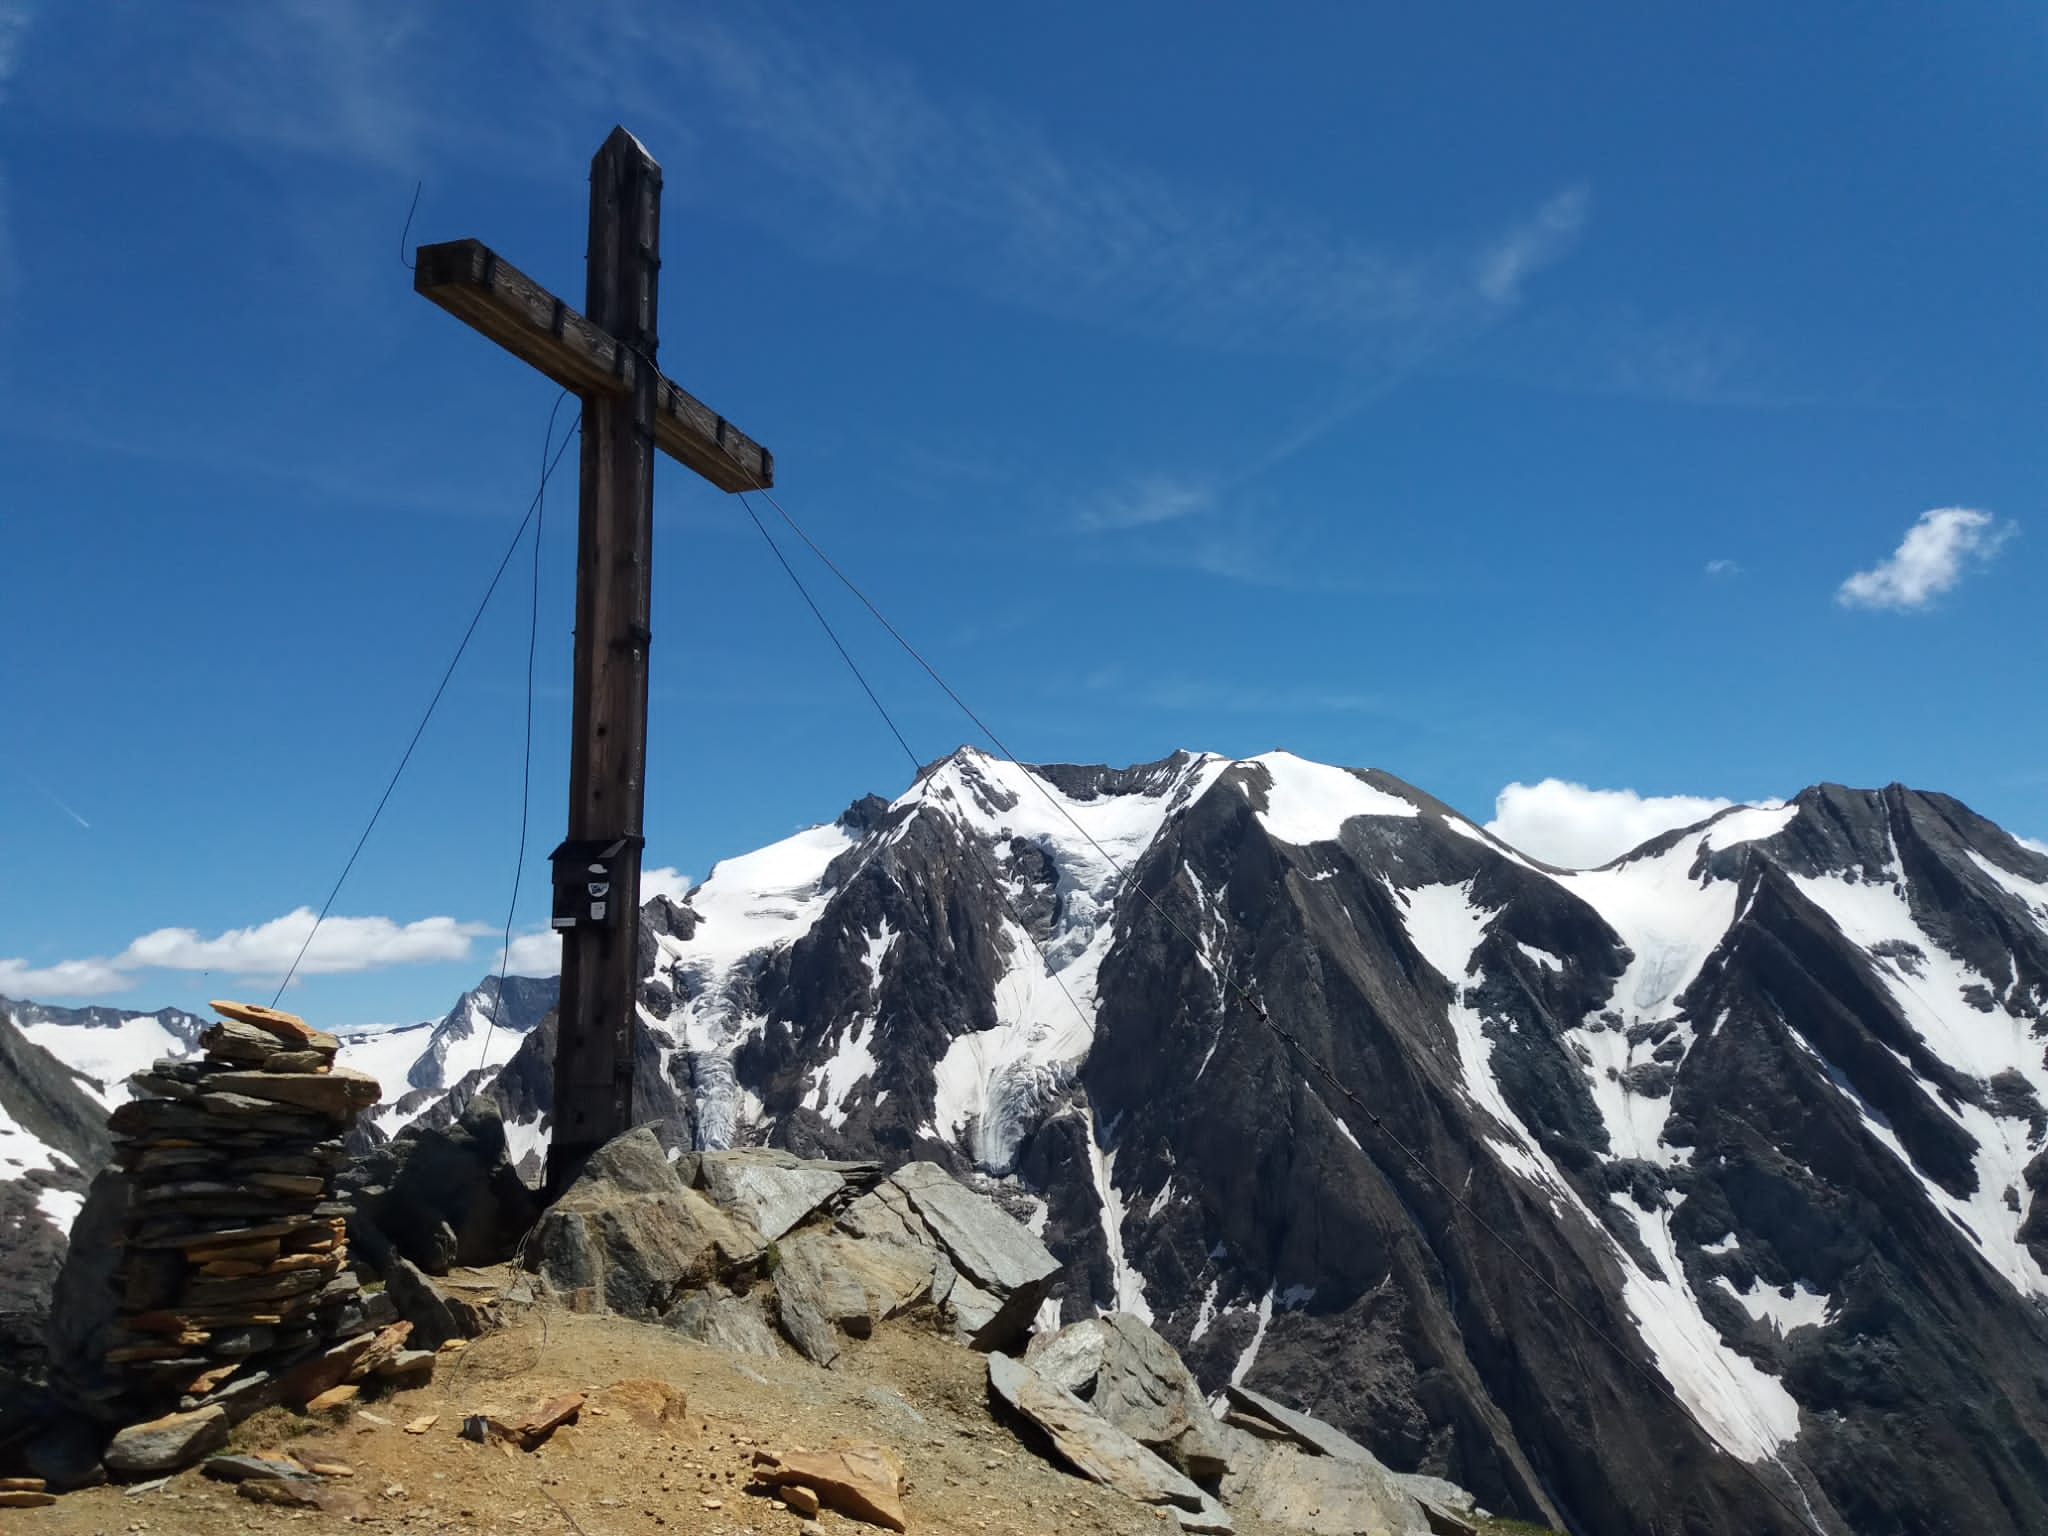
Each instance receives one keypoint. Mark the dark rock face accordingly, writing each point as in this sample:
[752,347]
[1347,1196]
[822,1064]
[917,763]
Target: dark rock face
[636,1239]
[50,1103]
[1706,1192]
[441,1195]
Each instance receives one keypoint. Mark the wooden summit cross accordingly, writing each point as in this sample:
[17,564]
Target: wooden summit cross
[607,357]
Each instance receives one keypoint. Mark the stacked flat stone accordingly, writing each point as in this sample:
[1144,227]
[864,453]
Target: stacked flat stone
[234,1267]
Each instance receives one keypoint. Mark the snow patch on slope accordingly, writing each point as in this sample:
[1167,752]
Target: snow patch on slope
[1748,824]
[1747,1411]
[21,1152]
[1446,927]
[1311,802]
[1927,983]
[2033,894]
[1671,924]
[1802,1309]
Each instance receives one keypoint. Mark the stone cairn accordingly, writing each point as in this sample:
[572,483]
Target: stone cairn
[232,1284]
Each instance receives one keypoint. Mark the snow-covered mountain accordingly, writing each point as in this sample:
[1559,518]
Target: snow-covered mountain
[417,1064]
[53,1139]
[1763,1100]
[1319,1076]
[105,1045]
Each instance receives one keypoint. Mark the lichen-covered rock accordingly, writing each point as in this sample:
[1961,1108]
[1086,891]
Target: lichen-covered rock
[630,1231]
[732,1324]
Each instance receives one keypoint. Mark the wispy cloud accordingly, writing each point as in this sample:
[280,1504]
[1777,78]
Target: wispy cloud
[15,18]
[342,81]
[2034,843]
[1936,553]
[1724,567]
[872,161]
[1146,500]
[1539,241]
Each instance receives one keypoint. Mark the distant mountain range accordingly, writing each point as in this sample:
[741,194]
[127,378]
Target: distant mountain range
[1320,1077]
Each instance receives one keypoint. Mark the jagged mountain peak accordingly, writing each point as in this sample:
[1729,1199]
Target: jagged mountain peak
[1049,972]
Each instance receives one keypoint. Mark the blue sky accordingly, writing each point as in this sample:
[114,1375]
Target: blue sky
[1648,398]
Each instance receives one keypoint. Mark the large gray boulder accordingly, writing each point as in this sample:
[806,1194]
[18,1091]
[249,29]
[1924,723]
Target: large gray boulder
[1135,1379]
[1322,1495]
[828,1283]
[438,1310]
[631,1234]
[85,1308]
[1307,1431]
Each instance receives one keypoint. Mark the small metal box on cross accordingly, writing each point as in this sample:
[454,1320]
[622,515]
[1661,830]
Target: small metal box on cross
[605,356]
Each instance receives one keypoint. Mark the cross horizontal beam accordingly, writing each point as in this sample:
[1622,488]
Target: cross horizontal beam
[479,287]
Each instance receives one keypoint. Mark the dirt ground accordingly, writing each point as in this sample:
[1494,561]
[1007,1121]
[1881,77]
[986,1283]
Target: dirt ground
[611,1476]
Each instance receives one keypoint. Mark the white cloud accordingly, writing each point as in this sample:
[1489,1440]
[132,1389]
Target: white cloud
[1934,555]
[1580,828]
[67,978]
[1724,568]
[1147,500]
[534,954]
[2034,843]
[342,944]
[666,881]
[1532,245]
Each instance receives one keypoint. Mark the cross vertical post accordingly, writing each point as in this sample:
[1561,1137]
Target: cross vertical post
[608,731]
[629,411]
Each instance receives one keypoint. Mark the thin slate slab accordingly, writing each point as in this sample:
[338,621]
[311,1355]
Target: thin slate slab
[768,1192]
[1304,1429]
[1089,1443]
[1143,1388]
[999,1255]
[338,1093]
[864,1481]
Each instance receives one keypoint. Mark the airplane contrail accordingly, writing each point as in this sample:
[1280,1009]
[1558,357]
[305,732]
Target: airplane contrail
[51,795]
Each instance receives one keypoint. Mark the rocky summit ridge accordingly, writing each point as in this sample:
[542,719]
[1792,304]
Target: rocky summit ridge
[1761,1101]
